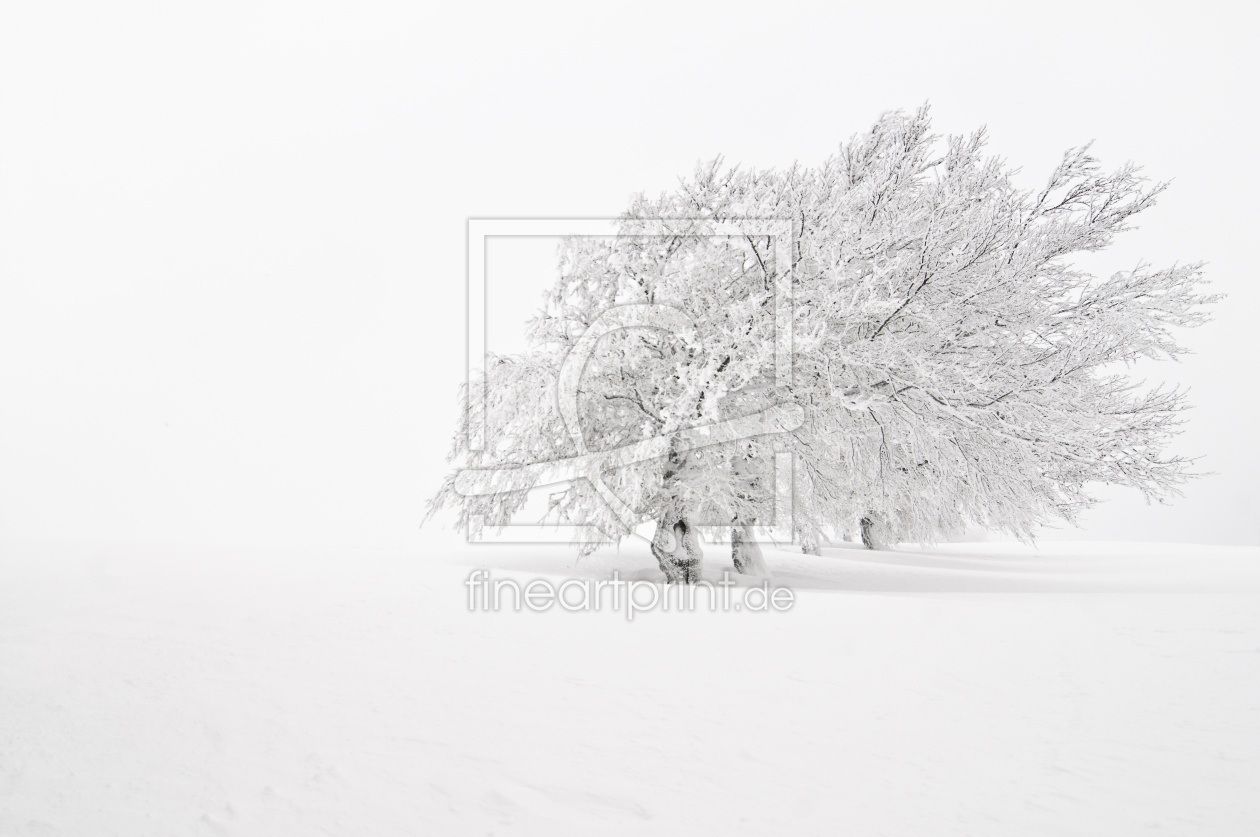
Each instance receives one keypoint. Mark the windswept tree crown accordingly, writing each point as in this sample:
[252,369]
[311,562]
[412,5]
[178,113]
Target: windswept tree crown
[953,366]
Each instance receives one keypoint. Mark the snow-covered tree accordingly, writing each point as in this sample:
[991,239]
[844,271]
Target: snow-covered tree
[950,364]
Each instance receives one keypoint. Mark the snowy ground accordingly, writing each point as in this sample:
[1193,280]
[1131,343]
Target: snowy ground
[973,689]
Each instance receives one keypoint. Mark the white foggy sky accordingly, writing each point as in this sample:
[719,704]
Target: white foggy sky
[232,236]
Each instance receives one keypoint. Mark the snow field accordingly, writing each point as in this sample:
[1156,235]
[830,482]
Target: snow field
[970,689]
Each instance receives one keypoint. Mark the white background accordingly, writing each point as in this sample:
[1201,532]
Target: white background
[232,236]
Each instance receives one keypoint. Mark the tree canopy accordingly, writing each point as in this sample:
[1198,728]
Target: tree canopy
[950,365]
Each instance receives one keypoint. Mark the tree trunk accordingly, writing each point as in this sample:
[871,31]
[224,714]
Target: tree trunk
[810,546]
[679,560]
[675,545]
[876,533]
[868,533]
[746,552]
